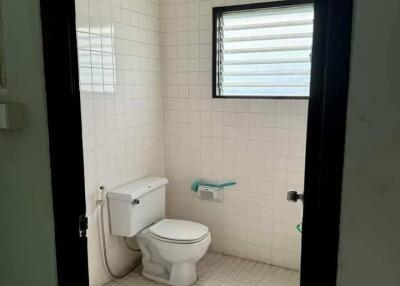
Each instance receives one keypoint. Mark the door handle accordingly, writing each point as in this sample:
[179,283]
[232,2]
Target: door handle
[294,196]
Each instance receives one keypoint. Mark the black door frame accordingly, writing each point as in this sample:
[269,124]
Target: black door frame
[324,154]
[325,141]
[65,139]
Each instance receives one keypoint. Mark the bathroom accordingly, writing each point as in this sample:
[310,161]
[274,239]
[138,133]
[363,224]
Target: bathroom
[149,108]
[146,86]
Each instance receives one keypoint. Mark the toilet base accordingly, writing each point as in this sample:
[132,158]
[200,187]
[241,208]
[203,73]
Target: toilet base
[170,263]
[182,274]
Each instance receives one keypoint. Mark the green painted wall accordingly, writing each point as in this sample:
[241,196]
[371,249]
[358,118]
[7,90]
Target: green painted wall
[27,253]
[370,225]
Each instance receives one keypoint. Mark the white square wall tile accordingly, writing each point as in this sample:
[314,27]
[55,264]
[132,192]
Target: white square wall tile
[119,67]
[250,140]
[157,55]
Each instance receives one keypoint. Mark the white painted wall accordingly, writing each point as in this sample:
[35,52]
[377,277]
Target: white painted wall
[370,223]
[27,250]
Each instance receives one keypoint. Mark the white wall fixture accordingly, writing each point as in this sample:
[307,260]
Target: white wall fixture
[11,116]
[211,193]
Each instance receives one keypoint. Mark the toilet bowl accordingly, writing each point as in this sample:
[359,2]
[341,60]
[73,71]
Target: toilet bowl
[170,250]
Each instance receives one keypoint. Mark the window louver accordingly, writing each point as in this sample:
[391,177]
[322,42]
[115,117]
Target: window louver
[264,52]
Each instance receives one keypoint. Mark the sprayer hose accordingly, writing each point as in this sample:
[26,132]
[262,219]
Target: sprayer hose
[112,274]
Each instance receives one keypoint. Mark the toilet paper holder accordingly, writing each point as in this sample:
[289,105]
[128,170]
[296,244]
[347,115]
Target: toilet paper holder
[210,193]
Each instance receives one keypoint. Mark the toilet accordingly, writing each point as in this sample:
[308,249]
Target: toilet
[170,248]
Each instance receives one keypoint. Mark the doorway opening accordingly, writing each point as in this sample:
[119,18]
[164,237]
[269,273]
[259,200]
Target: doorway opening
[157,99]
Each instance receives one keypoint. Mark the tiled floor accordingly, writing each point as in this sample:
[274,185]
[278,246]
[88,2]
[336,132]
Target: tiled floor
[221,270]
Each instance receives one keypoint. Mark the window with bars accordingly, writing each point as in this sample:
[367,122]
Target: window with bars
[263,50]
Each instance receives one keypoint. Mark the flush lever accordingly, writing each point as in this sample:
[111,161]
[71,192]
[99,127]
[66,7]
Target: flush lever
[294,196]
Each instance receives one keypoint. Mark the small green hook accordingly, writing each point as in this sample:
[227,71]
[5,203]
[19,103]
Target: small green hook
[299,227]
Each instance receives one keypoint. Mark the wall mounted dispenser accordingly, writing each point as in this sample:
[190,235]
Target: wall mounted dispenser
[198,182]
[210,191]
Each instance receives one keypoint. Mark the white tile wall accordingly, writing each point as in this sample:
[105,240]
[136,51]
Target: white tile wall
[258,143]
[145,71]
[122,106]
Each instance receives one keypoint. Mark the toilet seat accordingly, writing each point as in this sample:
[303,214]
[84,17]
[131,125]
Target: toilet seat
[178,231]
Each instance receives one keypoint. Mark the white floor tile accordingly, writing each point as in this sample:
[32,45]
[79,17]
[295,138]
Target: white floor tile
[221,270]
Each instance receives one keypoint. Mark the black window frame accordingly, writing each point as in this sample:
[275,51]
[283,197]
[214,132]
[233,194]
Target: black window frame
[217,11]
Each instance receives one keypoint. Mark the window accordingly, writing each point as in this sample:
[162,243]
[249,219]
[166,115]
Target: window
[263,50]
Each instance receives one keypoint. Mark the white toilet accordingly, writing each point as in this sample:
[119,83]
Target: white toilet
[170,248]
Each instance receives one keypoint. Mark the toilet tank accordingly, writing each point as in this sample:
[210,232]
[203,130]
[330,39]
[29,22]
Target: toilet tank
[136,205]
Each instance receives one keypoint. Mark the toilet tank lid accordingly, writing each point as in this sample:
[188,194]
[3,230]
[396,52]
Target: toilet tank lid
[137,188]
